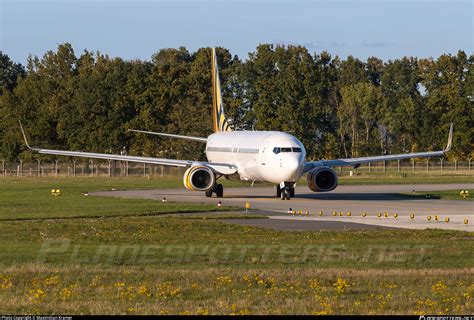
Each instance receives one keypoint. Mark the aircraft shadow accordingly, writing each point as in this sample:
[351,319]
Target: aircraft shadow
[347,196]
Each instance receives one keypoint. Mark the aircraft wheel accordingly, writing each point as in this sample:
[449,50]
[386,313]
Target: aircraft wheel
[219,190]
[278,192]
[208,193]
[292,192]
[285,194]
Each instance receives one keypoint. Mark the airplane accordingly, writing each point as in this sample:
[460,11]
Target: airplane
[257,156]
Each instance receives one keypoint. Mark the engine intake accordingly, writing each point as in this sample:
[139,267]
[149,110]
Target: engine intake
[199,178]
[322,179]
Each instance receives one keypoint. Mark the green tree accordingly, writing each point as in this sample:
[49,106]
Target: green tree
[10,73]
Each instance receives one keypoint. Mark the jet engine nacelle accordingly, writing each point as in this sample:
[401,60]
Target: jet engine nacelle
[199,178]
[322,179]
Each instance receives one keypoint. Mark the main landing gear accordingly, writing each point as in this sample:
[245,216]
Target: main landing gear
[218,189]
[287,192]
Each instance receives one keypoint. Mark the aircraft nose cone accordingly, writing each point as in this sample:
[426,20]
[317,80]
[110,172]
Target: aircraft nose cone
[292,166]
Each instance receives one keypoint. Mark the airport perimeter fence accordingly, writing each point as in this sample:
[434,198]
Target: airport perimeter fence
[95,168]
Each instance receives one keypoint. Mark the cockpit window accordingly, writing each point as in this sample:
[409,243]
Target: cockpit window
[277,150]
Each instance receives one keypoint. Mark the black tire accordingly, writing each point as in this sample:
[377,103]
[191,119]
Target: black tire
[219,190]
[285,194]
[292,192]
[278,191]
[208,193]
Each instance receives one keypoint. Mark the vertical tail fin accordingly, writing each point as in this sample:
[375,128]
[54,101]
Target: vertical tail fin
[219,120]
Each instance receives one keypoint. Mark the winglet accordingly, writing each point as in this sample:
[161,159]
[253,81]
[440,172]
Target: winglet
[450,139]
[24,137]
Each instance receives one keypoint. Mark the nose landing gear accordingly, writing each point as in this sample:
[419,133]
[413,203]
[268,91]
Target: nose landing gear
[286,192]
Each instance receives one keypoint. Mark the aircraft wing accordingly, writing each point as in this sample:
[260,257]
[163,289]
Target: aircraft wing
[222,168]
[358,161]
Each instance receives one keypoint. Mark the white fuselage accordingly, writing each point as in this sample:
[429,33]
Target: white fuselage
[269,156]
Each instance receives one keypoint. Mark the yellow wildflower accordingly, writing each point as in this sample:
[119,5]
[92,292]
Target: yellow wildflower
[35,295]
[51,281]
[340,285]
[203,312]
[5,282]
[438,287]
[65,293]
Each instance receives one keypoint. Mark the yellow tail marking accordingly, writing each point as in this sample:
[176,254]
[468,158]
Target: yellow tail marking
[219,120]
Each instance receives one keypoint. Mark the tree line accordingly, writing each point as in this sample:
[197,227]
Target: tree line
[336,107]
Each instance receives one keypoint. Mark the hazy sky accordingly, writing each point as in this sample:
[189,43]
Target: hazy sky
[136,29]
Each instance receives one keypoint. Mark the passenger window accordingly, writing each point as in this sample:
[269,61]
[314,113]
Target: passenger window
[297,150]
[276,150]
[285,149]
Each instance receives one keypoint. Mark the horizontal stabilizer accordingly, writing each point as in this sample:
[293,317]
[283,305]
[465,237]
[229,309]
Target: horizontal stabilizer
[169,135]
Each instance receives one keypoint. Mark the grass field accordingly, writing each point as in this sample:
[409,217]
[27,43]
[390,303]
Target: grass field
[96,260]
[446,194]
[32,198]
